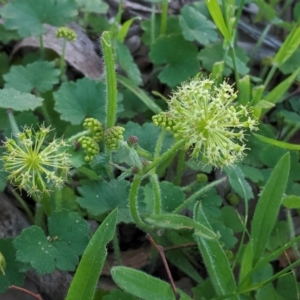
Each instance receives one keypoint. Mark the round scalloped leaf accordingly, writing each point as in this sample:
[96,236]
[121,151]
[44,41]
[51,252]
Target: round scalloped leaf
[28,16]
[41,75]
[78,100]
[102,197]
[68,237]
[180,64]
[11,98]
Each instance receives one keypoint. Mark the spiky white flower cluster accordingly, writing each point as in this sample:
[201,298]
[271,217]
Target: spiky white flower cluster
[34,166]
[210,123]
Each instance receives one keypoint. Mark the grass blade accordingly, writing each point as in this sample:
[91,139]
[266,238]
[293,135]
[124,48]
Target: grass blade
[143,285]
[87,275]
[268,206]
[215,260]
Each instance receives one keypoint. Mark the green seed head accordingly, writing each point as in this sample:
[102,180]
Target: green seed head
[112,137]
[66,33]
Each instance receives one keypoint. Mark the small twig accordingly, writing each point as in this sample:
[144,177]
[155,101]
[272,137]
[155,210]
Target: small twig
[160,250]
[36,296]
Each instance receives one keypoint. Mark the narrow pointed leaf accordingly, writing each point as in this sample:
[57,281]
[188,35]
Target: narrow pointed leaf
[215,260]
[143,285]
[268,206]
[171,221]
[87,275]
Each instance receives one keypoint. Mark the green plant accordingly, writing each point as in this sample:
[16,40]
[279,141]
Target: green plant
[98,163]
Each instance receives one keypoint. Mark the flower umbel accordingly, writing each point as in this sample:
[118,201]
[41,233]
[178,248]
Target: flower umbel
[34,166]
[206,118]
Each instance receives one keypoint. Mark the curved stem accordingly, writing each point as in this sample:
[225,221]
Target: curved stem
[133,204]
[180,167]
[165,156]
[156,189]
[197,194]
[164,16]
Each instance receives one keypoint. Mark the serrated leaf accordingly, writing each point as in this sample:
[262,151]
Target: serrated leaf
[87,275]
[41,75]
[11,98]
[196,27]
[144,286]
[28,16]
[180,64]
[124,58]
[151,35]
[7,35]
[252,173]
[213,53]
[13,275]
[231,219]
[226,235]
[171,196]
[238,182]
[93,6]
[291,202]
[68,237]
[102,197]
[77,100]
[210,203]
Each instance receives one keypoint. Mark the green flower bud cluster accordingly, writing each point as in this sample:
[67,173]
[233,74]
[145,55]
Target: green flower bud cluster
[66,33]
[208,121]
[164,120]
[33,166]
[95,127]
[112,137]
[201,178]
[89,146]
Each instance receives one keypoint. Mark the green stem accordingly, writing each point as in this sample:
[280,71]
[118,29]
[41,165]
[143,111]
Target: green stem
[164,16]
[58,200]
[236,73]
[78,135]
[22,202]
[117,251]
[42,48]
[39,215]
[156,190]
[270,75]
[259,43]
[180,167]
[159,143]
[13,124]
[143,153]
[291,132]
[133,204]
[62,63]
[197,195]
[292,232]
[165,156]
[111,81]
[152,24]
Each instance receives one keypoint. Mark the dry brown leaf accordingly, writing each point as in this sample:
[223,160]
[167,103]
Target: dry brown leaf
[80,54]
